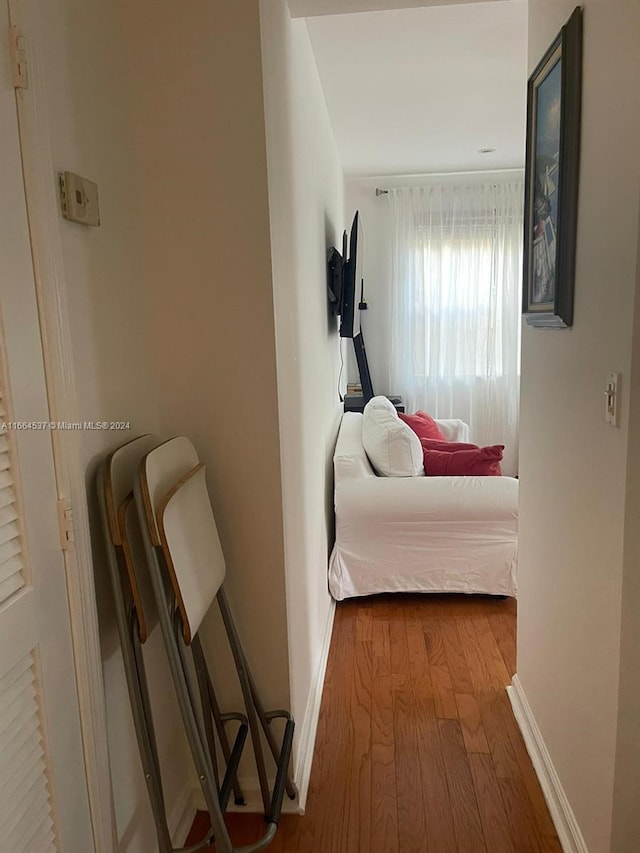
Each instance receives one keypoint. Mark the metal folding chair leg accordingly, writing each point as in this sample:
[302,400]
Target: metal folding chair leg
[144,696]
[135,677]
[253,701]
[143,724]
[209,700]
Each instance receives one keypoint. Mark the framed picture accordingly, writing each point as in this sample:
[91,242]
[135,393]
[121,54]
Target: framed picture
[551,180]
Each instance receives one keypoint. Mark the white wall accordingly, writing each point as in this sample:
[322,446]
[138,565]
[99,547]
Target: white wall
[626,814]
[196,80]
[77,53]
[573,468]
[306,209]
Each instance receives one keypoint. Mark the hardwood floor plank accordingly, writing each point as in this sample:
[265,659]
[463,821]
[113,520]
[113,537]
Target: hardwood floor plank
[480,676]
[437,804]
[520,816]
[342,636]
[549,844]
[364,622]
[527,773]
[456,662]
[358,806]
[411,823]
[440,675]
[444,698]
[433,639]
[502,751]
[494,661]
[505,640]
[398,646]
[419,664]
[384,795]
[381,647]
[298,835]
[328,800]
[475,739]
[495,825]
[466,817]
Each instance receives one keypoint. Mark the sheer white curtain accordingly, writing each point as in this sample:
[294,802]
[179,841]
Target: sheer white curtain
[456,295]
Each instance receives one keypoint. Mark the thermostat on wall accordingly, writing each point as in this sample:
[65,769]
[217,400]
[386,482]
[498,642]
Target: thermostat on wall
[79,199]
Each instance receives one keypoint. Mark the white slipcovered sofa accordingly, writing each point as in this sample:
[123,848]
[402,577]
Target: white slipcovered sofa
[419,533]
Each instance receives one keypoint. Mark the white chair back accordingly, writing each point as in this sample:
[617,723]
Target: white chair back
[160,471]
[186,529]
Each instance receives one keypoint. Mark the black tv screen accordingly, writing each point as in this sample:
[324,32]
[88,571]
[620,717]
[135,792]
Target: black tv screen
[351,278]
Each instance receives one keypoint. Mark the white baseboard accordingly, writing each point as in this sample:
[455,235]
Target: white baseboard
[306,739]
[180,820]
[561,812]
[309,725]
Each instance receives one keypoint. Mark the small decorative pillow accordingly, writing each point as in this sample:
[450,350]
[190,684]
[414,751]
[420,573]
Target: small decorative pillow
[479,462]
[446,446]
[423,425]
[394,450]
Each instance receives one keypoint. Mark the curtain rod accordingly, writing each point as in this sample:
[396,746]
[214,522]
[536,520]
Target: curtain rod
[382,191]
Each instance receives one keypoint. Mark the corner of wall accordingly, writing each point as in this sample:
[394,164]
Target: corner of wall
[306,215]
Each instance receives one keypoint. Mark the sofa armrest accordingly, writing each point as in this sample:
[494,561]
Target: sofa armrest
[454,429]
[389,499]
[349,459]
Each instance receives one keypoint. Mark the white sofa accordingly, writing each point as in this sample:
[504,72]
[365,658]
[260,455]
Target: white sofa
[419,534]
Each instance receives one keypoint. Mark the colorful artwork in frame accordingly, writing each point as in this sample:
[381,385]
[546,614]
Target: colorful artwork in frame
[551,180]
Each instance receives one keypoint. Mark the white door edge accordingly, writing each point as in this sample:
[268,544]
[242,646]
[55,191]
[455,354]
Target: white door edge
[42,205]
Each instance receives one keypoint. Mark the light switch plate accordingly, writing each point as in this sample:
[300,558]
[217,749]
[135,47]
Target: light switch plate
[79,199]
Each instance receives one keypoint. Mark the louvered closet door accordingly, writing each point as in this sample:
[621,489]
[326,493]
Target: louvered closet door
[43,797]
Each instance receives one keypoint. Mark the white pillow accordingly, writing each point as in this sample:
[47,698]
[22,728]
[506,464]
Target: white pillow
[393,448]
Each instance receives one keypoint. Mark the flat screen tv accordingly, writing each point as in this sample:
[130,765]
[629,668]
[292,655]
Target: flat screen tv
[335,274]
[345,277]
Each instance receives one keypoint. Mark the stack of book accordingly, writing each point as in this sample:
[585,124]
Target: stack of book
[354,388]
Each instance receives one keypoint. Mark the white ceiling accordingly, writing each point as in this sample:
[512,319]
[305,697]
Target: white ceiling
[308,8]
[420,90]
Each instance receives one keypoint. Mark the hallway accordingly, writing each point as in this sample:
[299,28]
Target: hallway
[417,748]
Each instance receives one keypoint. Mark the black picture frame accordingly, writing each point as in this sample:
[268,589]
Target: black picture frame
[554,94]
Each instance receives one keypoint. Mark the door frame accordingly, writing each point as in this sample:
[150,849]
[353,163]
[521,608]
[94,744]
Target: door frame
[46,246]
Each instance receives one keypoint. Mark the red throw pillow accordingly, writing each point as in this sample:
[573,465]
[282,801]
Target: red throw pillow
[423,425]
[481,462]
[446,446]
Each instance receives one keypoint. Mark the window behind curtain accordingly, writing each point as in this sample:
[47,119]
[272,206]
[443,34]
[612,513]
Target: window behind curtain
[456,262]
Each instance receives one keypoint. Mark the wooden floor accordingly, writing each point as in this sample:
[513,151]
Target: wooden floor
[417,748]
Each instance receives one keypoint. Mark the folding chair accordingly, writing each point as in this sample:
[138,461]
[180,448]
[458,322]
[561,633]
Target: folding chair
[181,540]
[136,616]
